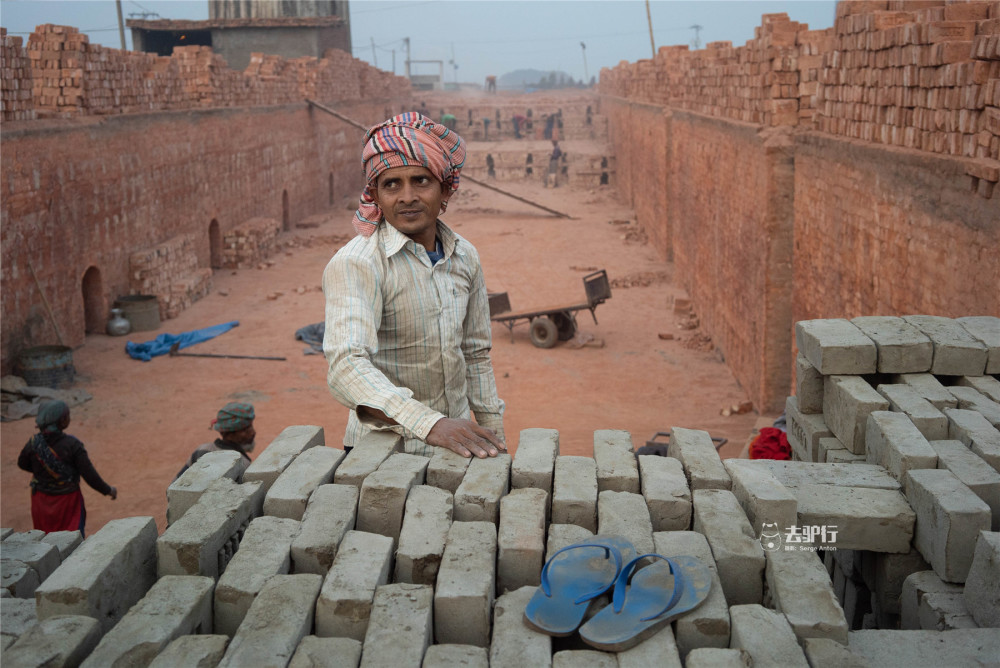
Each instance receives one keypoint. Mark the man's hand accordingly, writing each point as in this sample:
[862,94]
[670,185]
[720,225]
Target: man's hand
[113,493]
[466,438]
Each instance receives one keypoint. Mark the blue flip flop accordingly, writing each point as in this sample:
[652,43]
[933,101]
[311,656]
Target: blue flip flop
[571,579]
[647,599]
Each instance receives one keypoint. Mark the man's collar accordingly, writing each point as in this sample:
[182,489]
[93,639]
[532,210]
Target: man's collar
[394,241]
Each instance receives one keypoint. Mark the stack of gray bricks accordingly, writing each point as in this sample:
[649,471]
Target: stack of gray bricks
[316,557]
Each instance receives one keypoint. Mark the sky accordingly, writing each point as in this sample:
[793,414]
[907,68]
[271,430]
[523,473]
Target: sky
[481,37]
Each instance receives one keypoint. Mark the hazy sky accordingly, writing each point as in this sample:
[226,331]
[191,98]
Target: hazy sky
[486,36]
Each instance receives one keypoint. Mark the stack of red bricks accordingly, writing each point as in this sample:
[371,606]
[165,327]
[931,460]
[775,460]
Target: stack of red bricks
[170,271]
[813,44]
[250,243]
[56,55]
[15,86]
[336,76]
[916,75]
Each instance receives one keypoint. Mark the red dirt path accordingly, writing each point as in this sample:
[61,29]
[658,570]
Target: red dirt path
[145,418]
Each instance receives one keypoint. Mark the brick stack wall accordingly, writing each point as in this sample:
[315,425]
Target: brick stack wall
[250,243]
[15,82]
[93,180]
[170,272]
[888,205]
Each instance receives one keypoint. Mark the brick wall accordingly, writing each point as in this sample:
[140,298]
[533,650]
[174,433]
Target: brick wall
[864,184]
[250,243]
[170,272]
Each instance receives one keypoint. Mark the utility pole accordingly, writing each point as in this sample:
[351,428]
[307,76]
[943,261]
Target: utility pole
[394,61]
[406,40]
[374,55]
[121,23]
[697,31]
[586,75]
[649,19]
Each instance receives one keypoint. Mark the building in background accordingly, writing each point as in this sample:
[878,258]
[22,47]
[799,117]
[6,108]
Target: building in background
[237,28]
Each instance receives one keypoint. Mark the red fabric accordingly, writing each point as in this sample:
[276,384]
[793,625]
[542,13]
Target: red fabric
[771,443]
[57,512]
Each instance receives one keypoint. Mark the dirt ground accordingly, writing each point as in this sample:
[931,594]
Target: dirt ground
[146,417]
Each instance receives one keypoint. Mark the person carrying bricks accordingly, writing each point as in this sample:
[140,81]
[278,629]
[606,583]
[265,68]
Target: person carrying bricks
[57,461]
[234,422]
[408,333]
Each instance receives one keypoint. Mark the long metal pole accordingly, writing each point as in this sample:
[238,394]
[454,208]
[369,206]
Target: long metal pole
[649,19]
[121,23]
[351,121]
[374,55]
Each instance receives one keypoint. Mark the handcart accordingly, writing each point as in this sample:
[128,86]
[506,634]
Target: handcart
[558,323]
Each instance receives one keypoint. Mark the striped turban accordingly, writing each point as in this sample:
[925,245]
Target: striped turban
[233,417]
[404,141]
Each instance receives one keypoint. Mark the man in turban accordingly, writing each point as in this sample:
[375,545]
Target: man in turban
[57,461]
[407,318]
[234,422]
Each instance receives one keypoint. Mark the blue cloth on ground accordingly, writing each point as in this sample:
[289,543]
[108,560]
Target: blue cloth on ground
[161,345]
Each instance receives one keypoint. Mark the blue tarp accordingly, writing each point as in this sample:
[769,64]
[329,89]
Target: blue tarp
[161,345]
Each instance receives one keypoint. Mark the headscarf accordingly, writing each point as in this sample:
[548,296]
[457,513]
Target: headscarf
[234,416]
[407,140]
[49,416]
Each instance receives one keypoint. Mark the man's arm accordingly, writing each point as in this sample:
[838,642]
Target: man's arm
[353,313]
[476,345]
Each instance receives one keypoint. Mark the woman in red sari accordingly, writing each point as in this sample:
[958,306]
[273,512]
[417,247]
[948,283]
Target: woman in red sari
[57,462]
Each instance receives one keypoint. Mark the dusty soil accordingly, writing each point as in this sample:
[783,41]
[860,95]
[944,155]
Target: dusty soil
[146,417]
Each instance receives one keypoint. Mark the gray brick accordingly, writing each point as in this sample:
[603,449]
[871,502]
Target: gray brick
[314,652]
[64,640]
[902,348]
[888,572]
[584,658]
[977,433]
[17,615]
[205,538]
[574,499]
[276,457]
[65,541]
[401,626]
[43,558]
[914,587]
[515,645]
[373,449]
[364,562]
[617,470]
[929,387]
[105,576]
[949,519]
[666,491]
[563,535]
[808,386]
[826,652]
[329,516]
[985,329]
[485,483]
[290,493]
[188,488]
[19,580]
[175,606]
[847,403]
[844,456]
[708,624]
[830,448]
[446,469]
[804,431]
[737,551]
[986,385]
[280,617]
[535,459]
[521,538]
[625,514]
[943,612]
[761,495]
[973,473]
[931,422]
[971,399]
[835,346]
[658,650]
[866,519]
[264,551]
[802,591]
[894,442]
[426,522]
[956,352]
[982,586]
[696,451]
[201,651]
[796,474]
[765,635]
[961,647]
[383,494]
[715,657]
[465,585]
[448,656]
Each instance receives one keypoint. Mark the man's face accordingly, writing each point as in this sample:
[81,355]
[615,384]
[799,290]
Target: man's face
[410,199]
[243,437]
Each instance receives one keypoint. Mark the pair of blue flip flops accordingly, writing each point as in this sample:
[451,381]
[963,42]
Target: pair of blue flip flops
[643,600]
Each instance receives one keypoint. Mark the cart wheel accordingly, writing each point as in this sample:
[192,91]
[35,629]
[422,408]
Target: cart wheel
[566,325]
[544,332]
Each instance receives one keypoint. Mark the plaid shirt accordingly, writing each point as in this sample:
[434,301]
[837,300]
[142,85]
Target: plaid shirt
[410,339]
